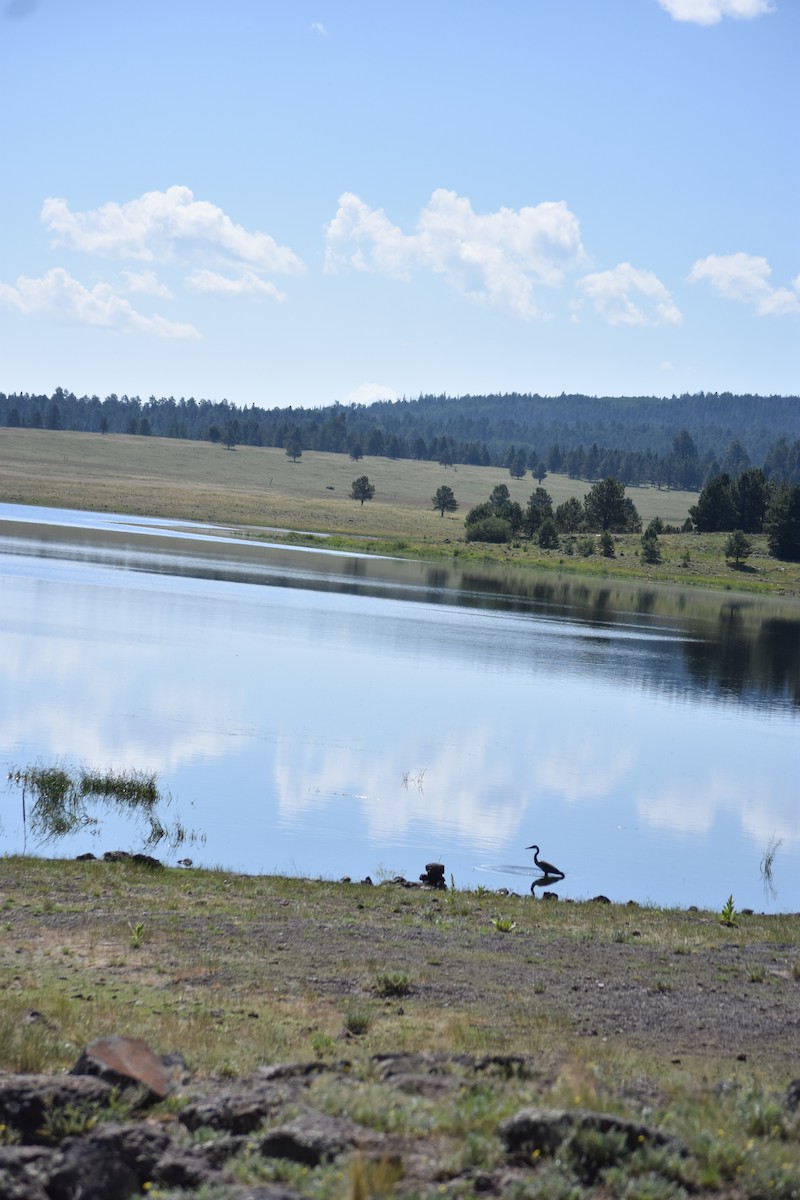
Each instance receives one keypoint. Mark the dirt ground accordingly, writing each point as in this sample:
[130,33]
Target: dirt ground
[431,970]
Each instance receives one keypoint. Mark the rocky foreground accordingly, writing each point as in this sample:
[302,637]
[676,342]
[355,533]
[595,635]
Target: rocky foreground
[94,1132]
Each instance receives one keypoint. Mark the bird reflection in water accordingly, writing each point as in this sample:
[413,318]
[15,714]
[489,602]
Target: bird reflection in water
[550,873]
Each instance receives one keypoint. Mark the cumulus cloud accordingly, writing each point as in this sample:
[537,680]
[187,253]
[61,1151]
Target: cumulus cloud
[146,282]
[496,258]
[366,392]
[628,295]
[161,226]
[157,227]
[745,277]
[711,12]
[249,284]
[59,293]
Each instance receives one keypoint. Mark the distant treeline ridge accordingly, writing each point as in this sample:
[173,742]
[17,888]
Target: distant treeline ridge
[680,442]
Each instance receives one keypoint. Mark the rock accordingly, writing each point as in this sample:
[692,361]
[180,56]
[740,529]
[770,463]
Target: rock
[111,1163]
[25,1100]
[433,876]
[546,1129]
[147,860]
[431,1062]
[187,1169]
[432,1087]
[297,1070]
[116,856]
[791,1097]
[239,1110]
[600,900]
[125,1062]
[88,857]
[23,1170]
[314,1138]
[32,1016]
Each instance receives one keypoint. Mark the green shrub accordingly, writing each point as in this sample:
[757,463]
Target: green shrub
[490,529]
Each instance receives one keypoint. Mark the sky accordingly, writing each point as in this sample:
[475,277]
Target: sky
[282,202]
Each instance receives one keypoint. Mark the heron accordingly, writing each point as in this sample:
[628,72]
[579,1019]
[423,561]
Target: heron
[545,867]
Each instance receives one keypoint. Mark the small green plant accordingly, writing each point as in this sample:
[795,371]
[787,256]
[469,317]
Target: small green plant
[392,983]
[727,914]
[322,1044]
[756,975]
[137,934]
[356,1021]
[8,1136]
[67,1120]
[504,924]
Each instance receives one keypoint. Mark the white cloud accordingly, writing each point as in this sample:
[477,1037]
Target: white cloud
[159,226]
[366,392]
[745,277]
[496,258]
[318,27]
[249,284]
[627,295]
[584,772]
[711,12]
[59,294]
[148,283]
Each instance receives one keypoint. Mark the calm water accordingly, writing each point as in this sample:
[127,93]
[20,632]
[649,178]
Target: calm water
[325,714]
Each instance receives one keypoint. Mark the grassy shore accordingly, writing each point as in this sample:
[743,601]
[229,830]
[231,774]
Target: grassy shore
[662,1015]
[261,489]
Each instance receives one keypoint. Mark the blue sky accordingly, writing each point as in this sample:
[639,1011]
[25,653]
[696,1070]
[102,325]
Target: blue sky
[280,202]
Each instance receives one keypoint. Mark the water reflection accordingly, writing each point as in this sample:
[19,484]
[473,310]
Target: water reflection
[289,700]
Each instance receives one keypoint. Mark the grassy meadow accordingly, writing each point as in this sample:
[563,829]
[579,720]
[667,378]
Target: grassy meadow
[262,489]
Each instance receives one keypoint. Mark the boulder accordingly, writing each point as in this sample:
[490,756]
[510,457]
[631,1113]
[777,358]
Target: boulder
[546,1129]
[126,1062]
[23,1171]
[111,1163]
[26,1101]
[314,1138]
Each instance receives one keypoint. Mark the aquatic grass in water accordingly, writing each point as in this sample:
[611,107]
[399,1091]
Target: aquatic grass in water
[61,798]
[134,788]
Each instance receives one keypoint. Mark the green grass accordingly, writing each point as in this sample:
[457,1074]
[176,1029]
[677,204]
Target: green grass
[239,971]
[257,490]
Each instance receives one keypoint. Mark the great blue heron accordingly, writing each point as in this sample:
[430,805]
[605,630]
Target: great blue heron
[553,873]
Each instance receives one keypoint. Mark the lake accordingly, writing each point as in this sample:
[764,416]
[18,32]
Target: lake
[326,714]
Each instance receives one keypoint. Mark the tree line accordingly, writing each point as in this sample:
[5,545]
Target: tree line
[632,439]
[751,503]
[747,504]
